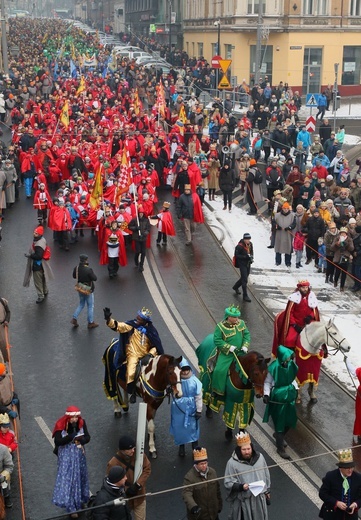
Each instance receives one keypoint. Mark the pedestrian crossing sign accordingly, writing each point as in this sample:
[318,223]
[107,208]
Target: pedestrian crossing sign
[312,100]
[224,83]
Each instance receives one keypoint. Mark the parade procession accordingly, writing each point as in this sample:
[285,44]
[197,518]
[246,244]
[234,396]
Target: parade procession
[215,372]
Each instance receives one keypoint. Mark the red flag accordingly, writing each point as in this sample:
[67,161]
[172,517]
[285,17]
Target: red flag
[124,179]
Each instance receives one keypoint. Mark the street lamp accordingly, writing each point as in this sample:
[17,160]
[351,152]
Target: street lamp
[170,25]
[217,24]
[4,41]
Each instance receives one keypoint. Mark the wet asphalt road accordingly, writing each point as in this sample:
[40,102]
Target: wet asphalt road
[55,365]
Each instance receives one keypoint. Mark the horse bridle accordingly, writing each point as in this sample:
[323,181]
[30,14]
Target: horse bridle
[249,380]
[166,392]
[328,335]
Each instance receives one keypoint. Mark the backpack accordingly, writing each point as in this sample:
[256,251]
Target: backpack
[89,515]
[47,253]
[258,177]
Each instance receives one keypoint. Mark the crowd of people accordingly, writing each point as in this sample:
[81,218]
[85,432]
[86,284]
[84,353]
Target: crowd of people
[93,137]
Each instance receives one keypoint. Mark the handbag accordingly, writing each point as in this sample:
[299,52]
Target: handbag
[82,287]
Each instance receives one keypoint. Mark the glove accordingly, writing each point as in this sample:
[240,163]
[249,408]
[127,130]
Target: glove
[266,399]
[196,510]
[307,320]
[145,360]
[15,401]
[244,349]
[26,255]
[198,415]
[12,414]
[107,313]
[297,328]
[2,479]
[132,490]
[251,259]
[232,348]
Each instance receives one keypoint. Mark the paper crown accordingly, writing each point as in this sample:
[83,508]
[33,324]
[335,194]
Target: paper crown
[4,418]
[199,455]
[166,204]
[145,313]
[187,186]
[243,438]
[345,459]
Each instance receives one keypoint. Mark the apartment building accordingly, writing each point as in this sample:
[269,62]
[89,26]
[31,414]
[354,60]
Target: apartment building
[301,39]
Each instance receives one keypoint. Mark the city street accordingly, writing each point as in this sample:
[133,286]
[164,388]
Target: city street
[55,365]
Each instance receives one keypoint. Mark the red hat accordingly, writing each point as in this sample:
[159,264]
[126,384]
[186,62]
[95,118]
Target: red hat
[73,411]
[303,283]
[39,230]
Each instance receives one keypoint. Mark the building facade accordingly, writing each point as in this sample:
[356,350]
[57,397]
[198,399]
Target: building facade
[302,40]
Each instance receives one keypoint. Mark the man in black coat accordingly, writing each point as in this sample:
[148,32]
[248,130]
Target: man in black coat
[227,182]
[85,276]
[325,131]
[316,228]
[243,260]
[140,228]
[341,490]
[112,489]
[185,211]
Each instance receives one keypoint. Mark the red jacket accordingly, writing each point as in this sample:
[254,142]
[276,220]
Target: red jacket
[8,439]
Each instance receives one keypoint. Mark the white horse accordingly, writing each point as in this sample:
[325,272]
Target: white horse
[317,339]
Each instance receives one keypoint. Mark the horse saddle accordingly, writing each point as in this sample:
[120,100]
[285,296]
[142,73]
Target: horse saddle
[212,361]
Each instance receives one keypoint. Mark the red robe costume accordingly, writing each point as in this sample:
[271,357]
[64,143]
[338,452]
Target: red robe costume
[165,223]
[357,424]
[298,308]
[59,219]
[42,199]
[109,233]
[197,209]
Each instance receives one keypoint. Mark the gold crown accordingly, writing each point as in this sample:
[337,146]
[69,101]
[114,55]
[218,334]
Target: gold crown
[146,312]
[243,438]
[166,204]
[200,455]
[345,456]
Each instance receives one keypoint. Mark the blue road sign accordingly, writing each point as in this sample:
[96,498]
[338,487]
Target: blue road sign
[312,100]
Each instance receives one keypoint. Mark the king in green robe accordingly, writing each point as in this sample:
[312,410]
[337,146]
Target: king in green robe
[231,337]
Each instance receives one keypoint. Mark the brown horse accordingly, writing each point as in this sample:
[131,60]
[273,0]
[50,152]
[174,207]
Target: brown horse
[156,380]
[247,374]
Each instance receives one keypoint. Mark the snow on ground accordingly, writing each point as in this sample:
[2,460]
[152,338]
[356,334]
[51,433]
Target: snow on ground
[274,284]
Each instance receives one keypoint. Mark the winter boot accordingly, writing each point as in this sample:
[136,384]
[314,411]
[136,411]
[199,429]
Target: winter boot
[280,446]
[182,451]
[246,298]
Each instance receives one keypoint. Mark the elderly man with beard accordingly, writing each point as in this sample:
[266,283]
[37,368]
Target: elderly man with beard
[243,468]
[285,222]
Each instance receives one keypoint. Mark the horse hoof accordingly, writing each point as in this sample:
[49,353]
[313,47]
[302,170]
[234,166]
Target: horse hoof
[228,435]
[313,400]
[154,455]
[117,415]
[209,413]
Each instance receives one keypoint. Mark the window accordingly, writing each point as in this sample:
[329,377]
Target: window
[312,65]
[215,49]
[200,49]
[266,66]
[252,6]
[315,7]
[351,63]
[228,52]
[355,7]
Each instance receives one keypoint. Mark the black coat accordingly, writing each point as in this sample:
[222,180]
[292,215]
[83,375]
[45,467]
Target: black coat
[316,228]
[185,207]
[357,251]
[242,255]
[141,232]
[85,275]
[106,494]
[226,179]
[331,491]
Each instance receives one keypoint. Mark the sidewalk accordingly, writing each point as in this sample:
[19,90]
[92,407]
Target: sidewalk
[272,284]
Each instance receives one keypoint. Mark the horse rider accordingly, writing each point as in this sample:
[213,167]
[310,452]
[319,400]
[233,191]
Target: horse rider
[138,340]
[280,394]
[301,309]
[231,337]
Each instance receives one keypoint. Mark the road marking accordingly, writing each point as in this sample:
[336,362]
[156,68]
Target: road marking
[45,429]
[159,299]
